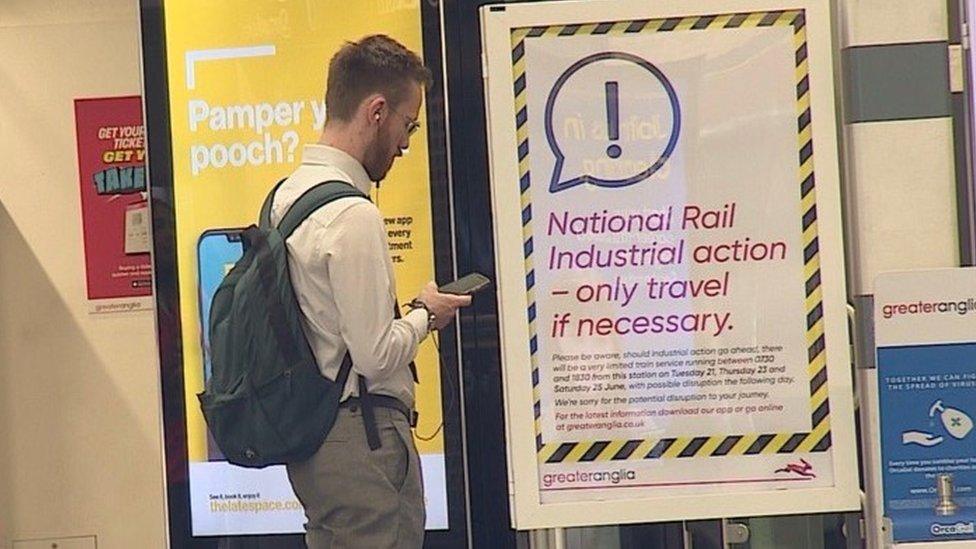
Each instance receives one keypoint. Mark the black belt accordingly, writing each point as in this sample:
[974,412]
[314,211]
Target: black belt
[367,402]
[383,401]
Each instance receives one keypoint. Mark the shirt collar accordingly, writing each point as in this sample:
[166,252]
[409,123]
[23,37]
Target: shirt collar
[324,155]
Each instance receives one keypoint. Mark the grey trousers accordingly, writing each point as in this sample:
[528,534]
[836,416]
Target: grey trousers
[357,498]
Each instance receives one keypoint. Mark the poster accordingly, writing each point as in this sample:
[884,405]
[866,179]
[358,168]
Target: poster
[246,89]
[114,209]
[679,268]
[925,323]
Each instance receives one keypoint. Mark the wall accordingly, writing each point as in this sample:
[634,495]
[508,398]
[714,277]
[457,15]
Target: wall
[901,186]
[80,450]
[901,194]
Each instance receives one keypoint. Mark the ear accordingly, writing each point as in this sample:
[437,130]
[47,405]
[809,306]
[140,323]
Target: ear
[376,109]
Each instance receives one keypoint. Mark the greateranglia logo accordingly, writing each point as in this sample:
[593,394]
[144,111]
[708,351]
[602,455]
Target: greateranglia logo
[803,468]
[960,306]
[956,529]
[586,477]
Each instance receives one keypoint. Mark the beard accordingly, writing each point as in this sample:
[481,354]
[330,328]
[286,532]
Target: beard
[378,162]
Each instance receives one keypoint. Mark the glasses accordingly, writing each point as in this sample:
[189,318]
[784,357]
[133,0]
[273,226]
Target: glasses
[412,124]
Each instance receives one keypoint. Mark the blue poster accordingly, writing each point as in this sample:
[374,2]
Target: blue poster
[927,399]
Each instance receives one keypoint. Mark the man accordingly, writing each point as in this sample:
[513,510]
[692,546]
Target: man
[355,496]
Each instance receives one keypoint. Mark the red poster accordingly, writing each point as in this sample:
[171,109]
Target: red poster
[114,206]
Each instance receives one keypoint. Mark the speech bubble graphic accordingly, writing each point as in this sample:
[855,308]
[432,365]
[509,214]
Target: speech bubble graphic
[630,128]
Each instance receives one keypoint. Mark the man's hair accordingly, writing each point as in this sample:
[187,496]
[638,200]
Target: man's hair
[374,64]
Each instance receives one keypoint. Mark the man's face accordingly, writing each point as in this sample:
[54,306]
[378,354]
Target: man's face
[393,135]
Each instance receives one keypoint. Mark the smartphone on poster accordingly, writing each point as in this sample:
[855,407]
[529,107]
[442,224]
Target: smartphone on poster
[218,250]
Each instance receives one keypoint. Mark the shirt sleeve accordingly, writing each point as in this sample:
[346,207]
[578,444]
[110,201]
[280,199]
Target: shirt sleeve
[378,343]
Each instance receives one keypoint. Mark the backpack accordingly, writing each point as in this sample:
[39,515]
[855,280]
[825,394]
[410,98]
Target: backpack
[267,402]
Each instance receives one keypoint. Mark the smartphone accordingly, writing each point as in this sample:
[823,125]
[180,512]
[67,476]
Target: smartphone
[217,252]
[467,285]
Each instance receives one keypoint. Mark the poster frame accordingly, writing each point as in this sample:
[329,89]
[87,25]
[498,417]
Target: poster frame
[527,512]
[159,170]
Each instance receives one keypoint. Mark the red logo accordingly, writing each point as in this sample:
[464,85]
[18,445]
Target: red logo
[803,469]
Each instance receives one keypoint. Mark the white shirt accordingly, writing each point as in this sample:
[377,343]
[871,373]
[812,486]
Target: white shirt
[343,278]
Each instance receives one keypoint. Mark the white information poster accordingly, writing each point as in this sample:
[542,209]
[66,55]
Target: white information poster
[670,261]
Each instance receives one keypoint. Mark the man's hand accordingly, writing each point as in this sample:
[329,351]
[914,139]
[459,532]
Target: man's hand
[442,306]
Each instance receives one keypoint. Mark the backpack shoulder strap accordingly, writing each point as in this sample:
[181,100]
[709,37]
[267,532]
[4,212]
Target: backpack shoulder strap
[264,219]
[312,200]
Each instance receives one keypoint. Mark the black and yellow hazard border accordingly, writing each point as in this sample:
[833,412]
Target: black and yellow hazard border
[816,440]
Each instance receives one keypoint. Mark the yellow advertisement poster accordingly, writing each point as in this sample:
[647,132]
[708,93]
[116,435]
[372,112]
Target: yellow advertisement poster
[246,90]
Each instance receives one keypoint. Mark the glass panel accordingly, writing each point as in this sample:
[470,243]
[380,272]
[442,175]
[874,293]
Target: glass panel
[629,536]
[796,532]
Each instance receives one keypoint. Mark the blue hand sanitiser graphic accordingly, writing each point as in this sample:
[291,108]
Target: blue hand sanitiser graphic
[627,143]
[956,422]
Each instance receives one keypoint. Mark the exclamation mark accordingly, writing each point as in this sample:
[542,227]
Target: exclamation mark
[613,119]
